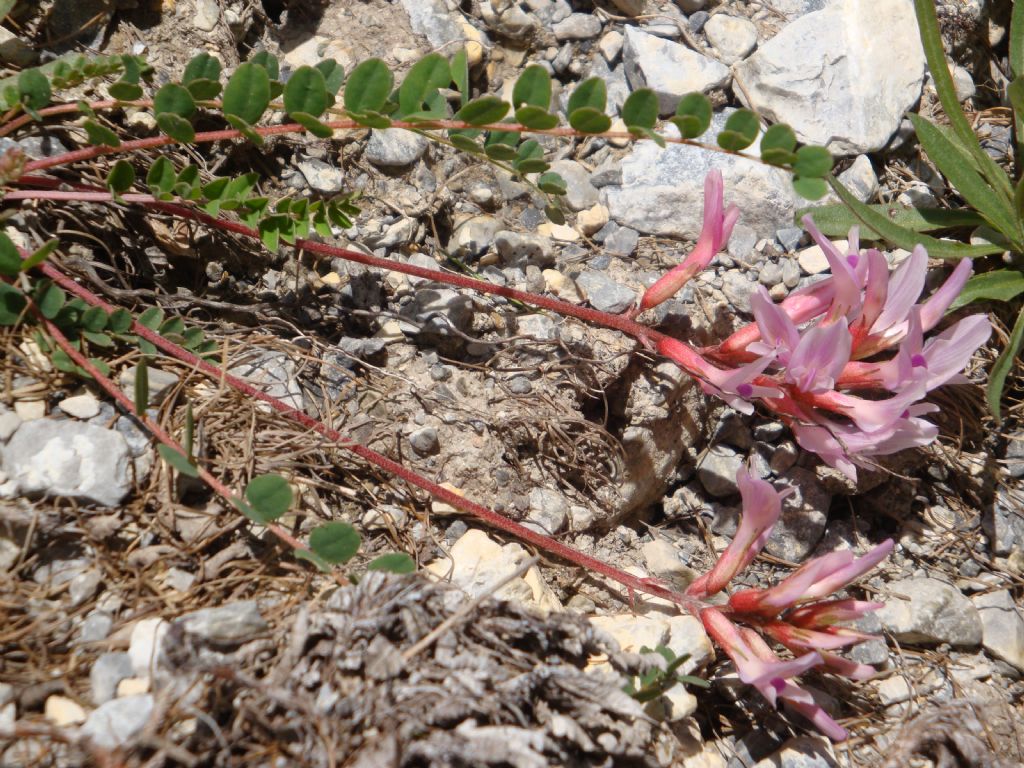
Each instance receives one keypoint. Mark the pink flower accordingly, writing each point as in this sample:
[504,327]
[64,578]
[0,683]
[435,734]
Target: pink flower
[714,235]
[762,505]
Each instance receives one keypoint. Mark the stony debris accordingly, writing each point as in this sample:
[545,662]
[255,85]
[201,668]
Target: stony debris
[1002,627]
[66,458]
[117,722]
[733,37]
[394,148]
[225,625]
[804,516]
[928,611]
[831,74]
[669,69]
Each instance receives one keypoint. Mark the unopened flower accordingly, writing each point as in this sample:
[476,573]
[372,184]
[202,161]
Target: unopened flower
[718,224]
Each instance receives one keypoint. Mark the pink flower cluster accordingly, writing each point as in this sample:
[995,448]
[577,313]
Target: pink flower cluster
[794,613]
[805,358]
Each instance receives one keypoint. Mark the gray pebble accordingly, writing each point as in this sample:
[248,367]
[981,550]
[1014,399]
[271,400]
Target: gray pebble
[717,471]
[789,238]
[622,242]
[424,441]
[603,293]
[394,147]
[520,385]
[109,670]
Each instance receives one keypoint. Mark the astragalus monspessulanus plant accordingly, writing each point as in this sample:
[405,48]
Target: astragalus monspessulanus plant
[844,362]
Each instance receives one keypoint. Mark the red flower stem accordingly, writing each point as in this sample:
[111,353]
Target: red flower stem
[112,389]
[488,516]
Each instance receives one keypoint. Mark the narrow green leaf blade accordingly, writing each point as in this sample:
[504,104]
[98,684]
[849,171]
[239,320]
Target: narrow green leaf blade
[905,238]
[177,460]
[40,255]
[998,285]
[965,179]
[1002,367]
[835,220]
[10,259]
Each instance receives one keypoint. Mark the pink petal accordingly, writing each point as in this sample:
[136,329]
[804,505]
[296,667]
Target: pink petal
[819,357]
[847,574]
[949,353]
[936,306]
[905,287]
[831,612]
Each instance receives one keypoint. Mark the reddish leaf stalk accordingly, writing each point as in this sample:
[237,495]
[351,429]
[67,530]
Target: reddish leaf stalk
[488,516]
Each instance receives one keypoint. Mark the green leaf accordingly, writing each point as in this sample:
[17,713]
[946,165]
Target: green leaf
[589,120]
[270,496]
[835,220]
[177,460]
[121,177]
[178,128]
[693,115]
[245,129]
[394,562]
[590,94]
[1017,40]
[306,92]
[98,339]
[551,183]
[10,259]
[34,89]
[313,125]
[998,285]
[151,318]
[5,8]
[95,319]
[966,179]
[201,67]
[247,94]
[175,99]
[12,304]
[335,542]
[100,135]
[810,188]
[120,321]
[554,214]
[1002,367]
[161,176]
[483,111]
[50,299]
[465,143]
[460,74]
[536,118]
[269,63]
[740,130]
[780,136]
[315,559]
[812,162]
[640,109]
[40,255]
[204,90]
[905,238]
[934,51]
[334,74]
[423,80]
[533,88]
[123,91]
[368,87]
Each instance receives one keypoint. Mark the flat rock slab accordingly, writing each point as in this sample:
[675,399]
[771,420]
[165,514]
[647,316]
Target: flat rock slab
[68,458]
[843,76]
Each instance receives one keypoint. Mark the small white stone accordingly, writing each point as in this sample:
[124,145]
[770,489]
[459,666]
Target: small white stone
[812,260]
[733,37]
[30,410]
[610,45]
[83,406]
[9,422]
[633,632]
[63,711]
[132,686]
[592,219]
[144,648]
[561,232]
[561,286]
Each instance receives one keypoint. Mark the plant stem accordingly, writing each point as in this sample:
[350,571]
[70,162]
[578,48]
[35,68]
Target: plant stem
[482,513]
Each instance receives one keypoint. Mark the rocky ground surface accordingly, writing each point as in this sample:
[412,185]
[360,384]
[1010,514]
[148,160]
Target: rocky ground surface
[143,619]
